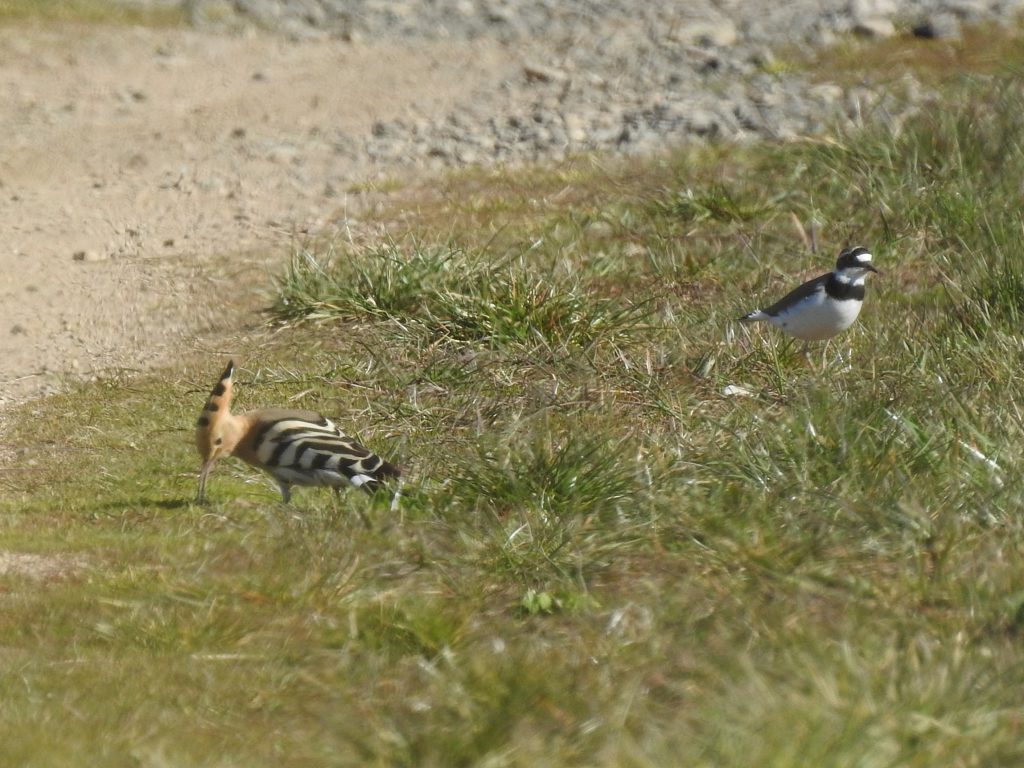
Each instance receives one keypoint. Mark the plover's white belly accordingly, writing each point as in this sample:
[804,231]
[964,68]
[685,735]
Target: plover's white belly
[818,317]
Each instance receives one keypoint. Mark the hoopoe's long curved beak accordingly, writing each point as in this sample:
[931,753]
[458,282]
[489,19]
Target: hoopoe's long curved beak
[203,472]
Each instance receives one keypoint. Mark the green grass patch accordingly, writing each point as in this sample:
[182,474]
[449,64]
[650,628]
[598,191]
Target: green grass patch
[715,203]
[630,532]
[982,49]
[382,282]
[91,12]
[455,296]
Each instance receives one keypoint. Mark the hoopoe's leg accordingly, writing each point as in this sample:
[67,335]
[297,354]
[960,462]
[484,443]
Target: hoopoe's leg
[286,491]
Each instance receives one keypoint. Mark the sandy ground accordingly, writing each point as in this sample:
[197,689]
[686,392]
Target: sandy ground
[143,171]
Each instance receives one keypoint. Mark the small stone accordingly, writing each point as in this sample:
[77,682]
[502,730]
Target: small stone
[762,58]
[821,36]
[703,123]
[974,10]
[706,61]
[939,26]
[88,256]
[497,15]
[862,9]
[541,74]
[875,27]
[575,128]
[720,33]
[873,18]
[282,153]
[439,150]
[827,93]
[734,390]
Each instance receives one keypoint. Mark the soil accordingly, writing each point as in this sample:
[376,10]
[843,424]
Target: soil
[150,180]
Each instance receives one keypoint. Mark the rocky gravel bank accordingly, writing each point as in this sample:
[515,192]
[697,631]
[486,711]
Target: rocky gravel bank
[620,75]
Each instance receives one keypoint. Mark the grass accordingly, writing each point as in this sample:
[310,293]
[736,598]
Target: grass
[452,296]
[90,12]
[605,552]
[981,50]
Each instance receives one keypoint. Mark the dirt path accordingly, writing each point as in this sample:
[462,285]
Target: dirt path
[140,169]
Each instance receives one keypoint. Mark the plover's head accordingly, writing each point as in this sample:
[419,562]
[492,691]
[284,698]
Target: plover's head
[854,263]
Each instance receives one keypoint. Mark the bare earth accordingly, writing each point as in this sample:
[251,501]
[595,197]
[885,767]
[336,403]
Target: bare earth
[142,171]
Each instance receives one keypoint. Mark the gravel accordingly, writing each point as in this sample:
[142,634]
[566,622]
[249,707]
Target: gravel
[621,76]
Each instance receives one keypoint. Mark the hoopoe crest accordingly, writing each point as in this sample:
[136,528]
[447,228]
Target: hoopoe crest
[295,447]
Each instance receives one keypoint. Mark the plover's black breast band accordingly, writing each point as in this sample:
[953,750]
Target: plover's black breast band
[841,290]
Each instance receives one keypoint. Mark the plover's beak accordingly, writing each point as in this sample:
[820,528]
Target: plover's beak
[203,472]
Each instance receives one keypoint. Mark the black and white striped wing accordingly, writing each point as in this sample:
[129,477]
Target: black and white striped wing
[307,452]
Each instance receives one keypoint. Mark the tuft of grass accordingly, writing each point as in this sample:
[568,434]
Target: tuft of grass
[509,305]
[716,203]
[377,282]
[562,475]
[994,300]
[454,295]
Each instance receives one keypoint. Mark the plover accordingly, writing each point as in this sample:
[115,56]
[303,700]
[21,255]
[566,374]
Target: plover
[824,306]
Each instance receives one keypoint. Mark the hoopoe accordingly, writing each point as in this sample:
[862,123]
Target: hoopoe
[296,447]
